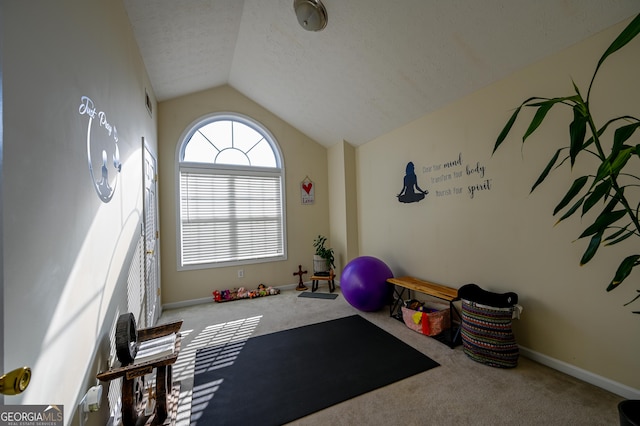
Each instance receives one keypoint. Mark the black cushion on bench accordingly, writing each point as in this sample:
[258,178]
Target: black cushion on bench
[473,293]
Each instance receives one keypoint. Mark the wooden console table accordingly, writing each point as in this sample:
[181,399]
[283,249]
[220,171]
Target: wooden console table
[165,395]
[450,336]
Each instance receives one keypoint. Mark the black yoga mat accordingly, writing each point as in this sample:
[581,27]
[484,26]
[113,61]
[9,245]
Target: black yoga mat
[318,295]
[279,377]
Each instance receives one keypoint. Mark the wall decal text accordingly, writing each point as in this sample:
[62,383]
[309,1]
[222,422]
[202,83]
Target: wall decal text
[102,143]
[455,177]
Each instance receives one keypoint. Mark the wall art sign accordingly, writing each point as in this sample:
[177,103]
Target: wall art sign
[411,192]
[102,150]
[307,191]
[453,177]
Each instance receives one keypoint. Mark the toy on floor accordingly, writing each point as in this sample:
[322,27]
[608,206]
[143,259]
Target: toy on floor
[243,293]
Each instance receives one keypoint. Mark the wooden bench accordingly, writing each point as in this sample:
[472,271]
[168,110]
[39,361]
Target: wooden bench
[451,336]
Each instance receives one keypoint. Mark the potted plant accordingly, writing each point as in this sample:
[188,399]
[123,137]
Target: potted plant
[612,186]
[324,258]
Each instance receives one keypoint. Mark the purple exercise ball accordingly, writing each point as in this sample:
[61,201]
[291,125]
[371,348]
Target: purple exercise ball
[364,283]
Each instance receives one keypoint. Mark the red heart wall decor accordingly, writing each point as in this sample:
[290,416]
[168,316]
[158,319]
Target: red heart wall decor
[307,187]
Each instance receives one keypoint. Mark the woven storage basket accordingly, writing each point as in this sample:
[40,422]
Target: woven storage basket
[487,336]
[432,322]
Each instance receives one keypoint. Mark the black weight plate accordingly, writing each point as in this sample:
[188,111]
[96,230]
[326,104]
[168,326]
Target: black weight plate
[126,338]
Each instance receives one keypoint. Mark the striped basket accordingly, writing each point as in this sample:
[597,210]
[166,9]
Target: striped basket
[487,336]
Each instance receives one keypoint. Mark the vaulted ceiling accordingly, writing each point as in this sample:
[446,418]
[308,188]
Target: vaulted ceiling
[377,65]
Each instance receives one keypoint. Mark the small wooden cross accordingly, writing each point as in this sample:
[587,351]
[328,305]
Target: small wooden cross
[300,272]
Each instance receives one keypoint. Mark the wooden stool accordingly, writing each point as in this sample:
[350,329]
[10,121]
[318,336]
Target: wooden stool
[330,278]
[166,399]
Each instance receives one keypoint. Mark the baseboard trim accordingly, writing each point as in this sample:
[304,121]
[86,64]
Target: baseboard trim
[192,302]
[584,375]
[186,303]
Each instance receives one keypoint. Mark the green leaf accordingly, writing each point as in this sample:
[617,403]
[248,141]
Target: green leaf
[571,211]
[594,244]
[507,128]
[625,37]
[604,128]
[633,300]
[606,211]
[617,233]
[544,101]
[604,171]
[603,221]
[622,238]
[621,135]
[577,132]
[537,120]
[543,109]
[623,271]
[575,87]
[600,191]
[620,160]
[546,170]
[577,185]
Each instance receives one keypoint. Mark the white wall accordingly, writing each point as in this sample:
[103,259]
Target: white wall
[344,204]
[503,238]
[67,253]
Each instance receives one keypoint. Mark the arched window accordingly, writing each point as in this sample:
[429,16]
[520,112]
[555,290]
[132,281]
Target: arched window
[230,194]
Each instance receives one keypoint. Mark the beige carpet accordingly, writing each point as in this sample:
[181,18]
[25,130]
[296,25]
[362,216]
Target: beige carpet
[459,392]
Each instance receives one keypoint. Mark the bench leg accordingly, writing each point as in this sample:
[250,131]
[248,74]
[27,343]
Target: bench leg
[163,381]
[129,409]
[397,300]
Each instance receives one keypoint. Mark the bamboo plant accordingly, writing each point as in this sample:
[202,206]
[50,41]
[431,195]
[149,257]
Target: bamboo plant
[615,186]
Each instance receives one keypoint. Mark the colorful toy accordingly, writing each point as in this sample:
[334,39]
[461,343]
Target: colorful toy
[243,293]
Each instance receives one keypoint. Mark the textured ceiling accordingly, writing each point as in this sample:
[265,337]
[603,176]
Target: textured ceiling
[377,65]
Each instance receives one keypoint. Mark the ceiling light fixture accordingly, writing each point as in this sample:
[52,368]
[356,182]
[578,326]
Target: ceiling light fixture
[312,15]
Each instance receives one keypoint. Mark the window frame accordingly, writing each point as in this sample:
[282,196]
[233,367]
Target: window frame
[185,137]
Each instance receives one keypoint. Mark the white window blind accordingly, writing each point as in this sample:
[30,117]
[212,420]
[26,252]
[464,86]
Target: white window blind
[229,218]
[230,194]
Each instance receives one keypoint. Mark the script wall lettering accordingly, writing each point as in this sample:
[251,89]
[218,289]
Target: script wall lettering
[457,176]
[102,149]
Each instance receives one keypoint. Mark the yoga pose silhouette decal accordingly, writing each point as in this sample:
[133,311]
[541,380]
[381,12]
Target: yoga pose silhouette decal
[408,193]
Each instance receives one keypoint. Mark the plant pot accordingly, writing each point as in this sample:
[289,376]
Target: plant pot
[320,264]
[629,411]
